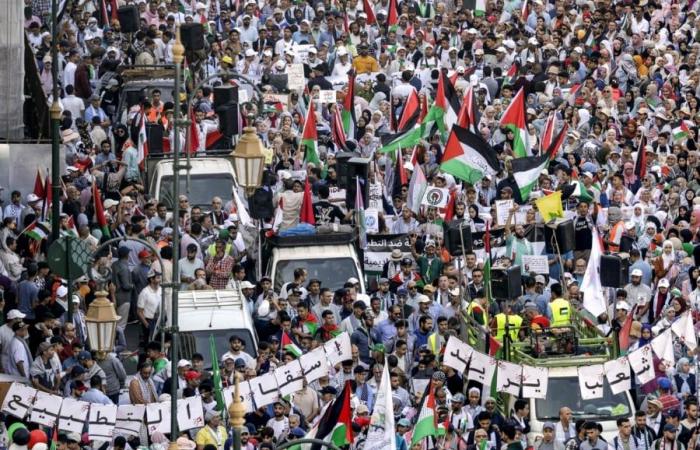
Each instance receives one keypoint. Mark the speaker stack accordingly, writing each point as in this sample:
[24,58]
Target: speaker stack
[614,270]
[129,20]
[192,36]
[226,107]
[456,236]
[563,231]
[506,284]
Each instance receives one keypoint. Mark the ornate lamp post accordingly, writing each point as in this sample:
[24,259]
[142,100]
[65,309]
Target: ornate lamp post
[236,412]
[101,321]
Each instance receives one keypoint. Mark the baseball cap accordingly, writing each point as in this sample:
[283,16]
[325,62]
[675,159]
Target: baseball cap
[637,273]
[664,283]
[17,314]
[549,425]
[622,305]
[183,363]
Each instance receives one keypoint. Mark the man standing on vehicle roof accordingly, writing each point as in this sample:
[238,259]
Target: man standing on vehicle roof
[236,351]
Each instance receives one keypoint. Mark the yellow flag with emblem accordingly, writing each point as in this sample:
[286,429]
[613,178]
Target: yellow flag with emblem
[550,206]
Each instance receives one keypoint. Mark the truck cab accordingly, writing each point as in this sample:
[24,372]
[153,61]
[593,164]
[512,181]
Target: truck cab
[218,313]
[331,258]
[209,176]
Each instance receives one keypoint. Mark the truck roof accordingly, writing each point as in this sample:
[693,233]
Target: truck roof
[205,165]
[213,309]
[316,240]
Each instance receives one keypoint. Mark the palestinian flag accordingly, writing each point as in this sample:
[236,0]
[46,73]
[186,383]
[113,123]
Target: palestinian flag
[424,108]
[416,189]
[681,131]
[336,424]
[574,94]
[142,145]
[514,119]
[192,143]
[547,132]
[468,157]
[38,230]
[400,177]
[348,115]
[450,208]
[100,211]
[624,334]
[288,345]
[216,375]
[467,113]
[338,135]
[581,192]
[39,187]
[425,427]
[309,137]
[411,112]
[408,138]
[552,150]
[478,7]
[640,163]
[369,10]
[526,172]
[511,75]
[307,208]
[446,98]
[525,11]
[392,18]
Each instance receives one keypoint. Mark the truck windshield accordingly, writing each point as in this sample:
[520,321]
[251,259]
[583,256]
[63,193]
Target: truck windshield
[198,342]
[334,272]
[565,391]
[202,188]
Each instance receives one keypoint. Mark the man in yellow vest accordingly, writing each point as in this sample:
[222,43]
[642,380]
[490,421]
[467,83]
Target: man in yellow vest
[506,318]
[561,308]
[439,337]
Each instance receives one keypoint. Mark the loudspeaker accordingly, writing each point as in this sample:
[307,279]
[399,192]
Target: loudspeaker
[129,18]
[506,283]
[357,168]
[626,244]
[260,204]
[224,95]
[454,241]
[154,136]
[344,170]
[614,270]
[192,35]
[133,98]
[563,230]
[228,119]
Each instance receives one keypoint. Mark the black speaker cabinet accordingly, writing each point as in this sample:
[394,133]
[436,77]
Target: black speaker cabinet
[223,95]
[192,35]
[154,134]
[129,20]
[344,169]
[454,241]
[626,244]
[228,119]
[506,283]
[260,204]
[563,230]
[614,270]
[357,168]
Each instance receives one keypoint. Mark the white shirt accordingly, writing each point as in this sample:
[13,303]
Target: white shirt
[69,75]
[149,301]
[249,360]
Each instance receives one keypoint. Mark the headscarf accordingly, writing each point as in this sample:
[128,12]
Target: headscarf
[629,179]
[668,259]
[642,340]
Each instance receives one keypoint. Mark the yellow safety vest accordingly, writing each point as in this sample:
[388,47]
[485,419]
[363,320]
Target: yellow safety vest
[471,306]
[514,323]
[434,344]
[211,250]
[561,312]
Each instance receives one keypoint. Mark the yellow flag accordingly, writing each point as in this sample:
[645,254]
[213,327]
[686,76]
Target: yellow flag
[550,207]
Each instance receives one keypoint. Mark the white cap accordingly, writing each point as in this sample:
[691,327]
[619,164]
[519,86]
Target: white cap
[342,51]
[424,299]
[353,280]
[62,291]
[245,284]
[17,314]
[32,197]
[637,273]
[250,52]
[183,363]
[540,279]
[622,305]
[629,225]
[501,49]
[200,5]
[664,283]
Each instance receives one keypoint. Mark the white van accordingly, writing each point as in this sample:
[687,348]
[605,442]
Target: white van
[563,390]
[331,258]
[218,313]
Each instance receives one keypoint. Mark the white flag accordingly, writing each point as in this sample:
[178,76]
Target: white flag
[663,347]
[457,354]
[593,293]
[509,378]
[535,381]
[590,380]
[382,433]
[683,327]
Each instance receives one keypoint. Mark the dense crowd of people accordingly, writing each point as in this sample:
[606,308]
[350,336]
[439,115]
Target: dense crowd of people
[623,78]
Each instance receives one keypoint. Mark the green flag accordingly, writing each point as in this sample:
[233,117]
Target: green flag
[216,375]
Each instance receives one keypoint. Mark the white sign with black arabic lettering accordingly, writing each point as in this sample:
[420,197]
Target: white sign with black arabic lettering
[509,378]
[590,380]
[663,347]
[315,364]
[618,375]
[290,378]
[18,400]
[73,416]
[264,389]
[503,208]
[46,409]
[642,364]
[457,354]
[245,393]
[327,96]
[338,349]
[535,381]
[158,417]
[129,419]
[101,422]
[190,413]
[535,263]
[481,368]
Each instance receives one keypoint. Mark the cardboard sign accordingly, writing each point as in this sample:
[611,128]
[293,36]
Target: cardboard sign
[535,263]
[327,97]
